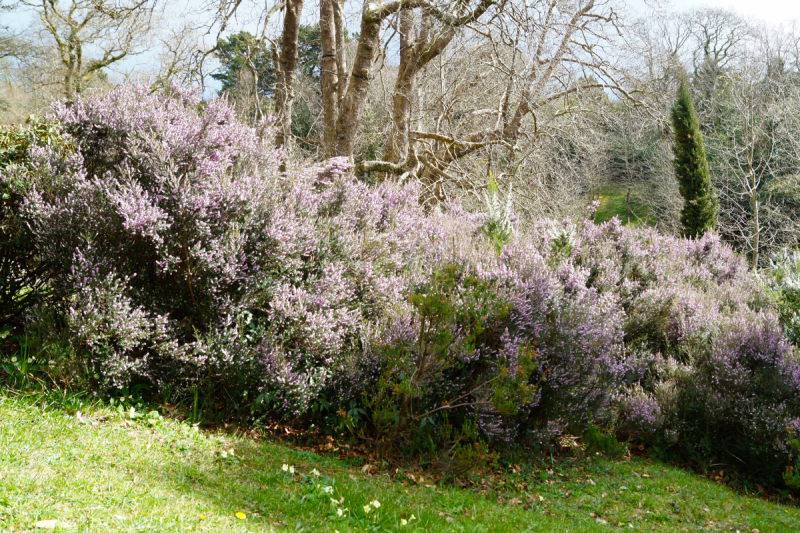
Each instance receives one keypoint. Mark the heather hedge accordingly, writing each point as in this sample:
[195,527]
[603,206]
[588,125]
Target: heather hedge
[182,259]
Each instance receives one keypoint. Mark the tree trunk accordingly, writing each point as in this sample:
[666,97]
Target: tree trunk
[284,93]
[396,149]
[341,64]
[756,224]
[354,99]
[329,78]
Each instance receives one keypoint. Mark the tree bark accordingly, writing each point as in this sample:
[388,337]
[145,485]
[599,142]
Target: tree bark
[329,75]
[341,64]
[284,93]
[352,106]
[396,149]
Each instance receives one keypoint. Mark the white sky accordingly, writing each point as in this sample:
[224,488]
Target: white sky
[771,12]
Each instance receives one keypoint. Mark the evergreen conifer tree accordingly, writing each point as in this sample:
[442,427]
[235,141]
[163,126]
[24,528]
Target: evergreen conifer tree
[691,167]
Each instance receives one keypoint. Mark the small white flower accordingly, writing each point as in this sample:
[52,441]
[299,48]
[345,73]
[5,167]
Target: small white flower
[327,490]
[291,470]
[339,512]
[230,452]
[334,501]
[315,472]
[14,359]
[375,503]
[403,522]
[224,454]
[285,468]
[413,517]
[367,508]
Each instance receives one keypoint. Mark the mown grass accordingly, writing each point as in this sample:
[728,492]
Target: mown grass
[104,471]
[613,202]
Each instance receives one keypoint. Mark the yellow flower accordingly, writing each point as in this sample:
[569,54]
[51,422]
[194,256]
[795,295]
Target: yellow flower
[202,517]
[240,515]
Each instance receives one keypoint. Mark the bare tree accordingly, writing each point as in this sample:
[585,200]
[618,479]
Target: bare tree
[90,35]
[531,66]
[745,157]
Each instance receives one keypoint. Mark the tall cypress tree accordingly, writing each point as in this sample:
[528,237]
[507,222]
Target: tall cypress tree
[691,168]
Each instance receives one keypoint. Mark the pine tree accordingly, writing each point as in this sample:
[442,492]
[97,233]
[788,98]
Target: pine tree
[691,168]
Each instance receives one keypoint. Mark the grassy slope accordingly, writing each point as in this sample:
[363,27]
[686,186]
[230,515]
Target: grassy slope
[106,473]
[612,200]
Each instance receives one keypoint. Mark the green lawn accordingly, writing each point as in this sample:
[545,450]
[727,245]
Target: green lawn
[104,471]
[613,202]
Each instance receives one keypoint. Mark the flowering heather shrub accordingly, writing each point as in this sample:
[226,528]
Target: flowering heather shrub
[150,225]
[740,400]
[716,376]
[182,257]
[23,274]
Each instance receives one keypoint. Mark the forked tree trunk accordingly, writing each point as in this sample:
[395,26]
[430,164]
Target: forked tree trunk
[351,101]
